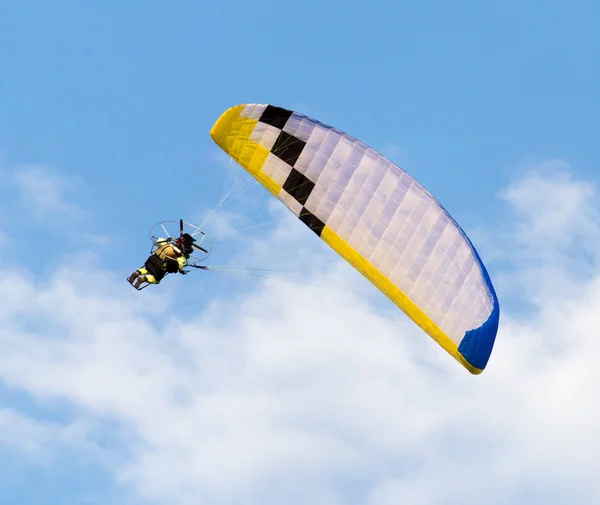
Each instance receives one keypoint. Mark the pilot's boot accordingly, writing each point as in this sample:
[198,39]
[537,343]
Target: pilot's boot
[133,276]
[140,281]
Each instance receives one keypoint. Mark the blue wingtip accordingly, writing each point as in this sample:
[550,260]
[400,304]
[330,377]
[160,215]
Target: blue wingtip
[477,344]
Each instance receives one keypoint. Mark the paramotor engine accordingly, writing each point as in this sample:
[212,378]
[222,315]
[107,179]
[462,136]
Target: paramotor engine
[174,232]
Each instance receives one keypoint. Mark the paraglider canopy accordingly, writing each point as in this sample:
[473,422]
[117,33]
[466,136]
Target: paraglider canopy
[375,216]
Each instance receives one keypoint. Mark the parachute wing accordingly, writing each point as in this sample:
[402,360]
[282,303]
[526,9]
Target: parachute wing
[374,215]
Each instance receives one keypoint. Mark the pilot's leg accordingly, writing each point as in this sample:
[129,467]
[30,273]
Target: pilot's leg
[135,275]
[145,277]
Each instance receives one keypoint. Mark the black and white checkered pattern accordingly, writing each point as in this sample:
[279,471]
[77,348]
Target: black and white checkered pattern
[288,149]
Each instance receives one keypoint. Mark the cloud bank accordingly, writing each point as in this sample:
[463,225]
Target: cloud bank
[272,397]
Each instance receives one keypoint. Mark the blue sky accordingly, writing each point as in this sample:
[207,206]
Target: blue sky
[105,112]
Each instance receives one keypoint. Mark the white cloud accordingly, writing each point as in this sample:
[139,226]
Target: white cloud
[40,442]
[19,432]
[555,244]
[554,209]
[45,191]
[256,401]
[5,241]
